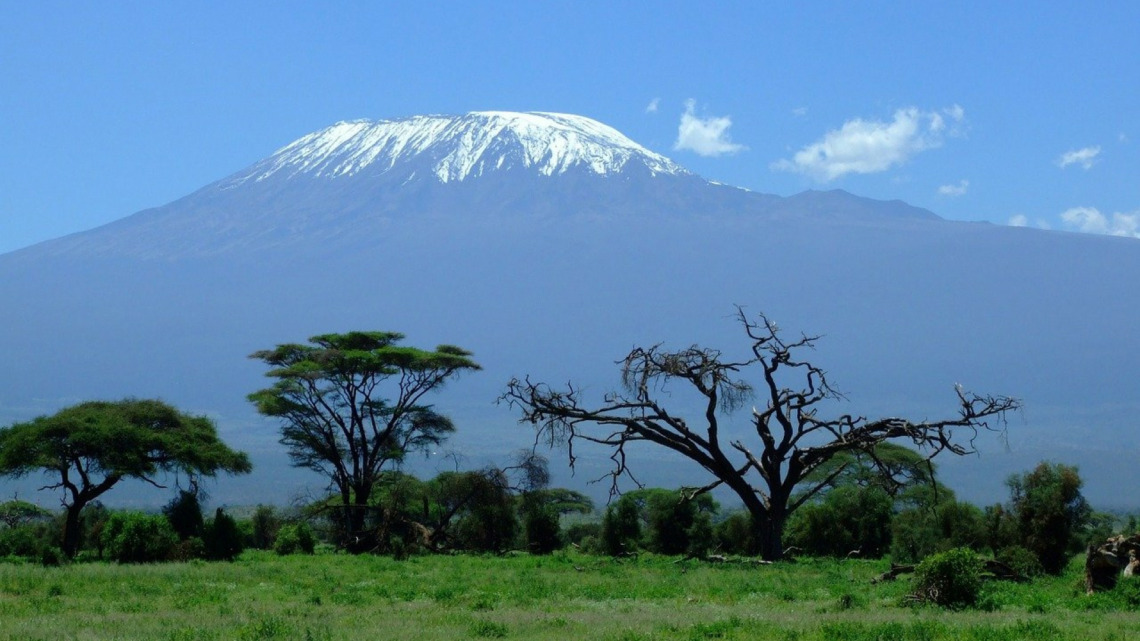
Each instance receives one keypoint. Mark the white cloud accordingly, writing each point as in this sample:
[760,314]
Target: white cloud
[800,112]
[1090,220]
[871,146]
[706,136]
[954,190]
[652,107]
[1084,157]
[1018,220]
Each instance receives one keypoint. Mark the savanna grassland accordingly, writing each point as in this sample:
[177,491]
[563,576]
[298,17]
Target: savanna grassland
[563,596]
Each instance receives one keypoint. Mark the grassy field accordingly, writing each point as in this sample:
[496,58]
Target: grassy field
[565,596]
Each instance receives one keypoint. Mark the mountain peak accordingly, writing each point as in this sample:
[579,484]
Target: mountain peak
[455,148]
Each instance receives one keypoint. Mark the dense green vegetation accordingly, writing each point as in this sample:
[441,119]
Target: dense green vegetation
[561,596]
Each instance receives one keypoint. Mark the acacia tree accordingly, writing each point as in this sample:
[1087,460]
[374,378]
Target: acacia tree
[92,446]
[352,405]
[1049,511]
[791,439]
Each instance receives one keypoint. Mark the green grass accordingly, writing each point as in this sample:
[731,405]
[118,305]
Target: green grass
[565,596]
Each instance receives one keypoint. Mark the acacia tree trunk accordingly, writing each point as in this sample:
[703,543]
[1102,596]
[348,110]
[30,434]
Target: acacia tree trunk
[71,530]
[769,534]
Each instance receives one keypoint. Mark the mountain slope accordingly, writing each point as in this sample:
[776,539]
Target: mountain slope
[557,275]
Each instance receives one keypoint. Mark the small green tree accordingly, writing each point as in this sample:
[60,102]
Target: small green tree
[223,538]
[351,405]
[185,515]
[669,517]
[488,522]
[134,537]
[92,446]
[1049,511]
[265,524]
[734,533]
[621,527]
[542,511]
[849,520]
[295,537]
[936,523]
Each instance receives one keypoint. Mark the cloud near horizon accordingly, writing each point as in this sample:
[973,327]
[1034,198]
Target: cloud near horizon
[954,190]
[1086,157]
[705,136]
[872,146]
[1091,221]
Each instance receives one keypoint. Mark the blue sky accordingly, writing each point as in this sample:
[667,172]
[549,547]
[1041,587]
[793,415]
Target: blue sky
[1022,112]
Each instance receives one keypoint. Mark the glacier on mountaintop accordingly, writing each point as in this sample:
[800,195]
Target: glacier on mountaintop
[461,147]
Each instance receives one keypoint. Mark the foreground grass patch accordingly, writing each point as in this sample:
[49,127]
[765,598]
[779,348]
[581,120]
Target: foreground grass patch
[334,597]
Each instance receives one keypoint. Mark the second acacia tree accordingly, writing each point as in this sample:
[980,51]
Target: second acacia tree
[777,462]
[352,405]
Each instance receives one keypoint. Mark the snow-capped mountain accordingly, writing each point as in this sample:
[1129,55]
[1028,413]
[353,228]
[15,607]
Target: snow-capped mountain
[456,148]
[344,184]
[549,245]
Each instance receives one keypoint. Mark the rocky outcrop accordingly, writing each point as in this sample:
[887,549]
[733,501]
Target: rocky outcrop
[1106,563]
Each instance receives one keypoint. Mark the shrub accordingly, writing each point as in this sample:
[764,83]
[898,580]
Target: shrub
[52,556]
[294,538]
[734,534]
[1020,560]
[265,525]
[578,532]
[28,540]
[543,532]
[185,515]
[848,518]
[134,537]
[700,535]
[918,532]
[950,579]
[222,538]
[188,550]
[621,527]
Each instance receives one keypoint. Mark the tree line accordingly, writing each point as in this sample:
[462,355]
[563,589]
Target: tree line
[352,407]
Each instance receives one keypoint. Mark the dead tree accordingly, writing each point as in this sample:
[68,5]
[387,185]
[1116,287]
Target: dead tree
[769,472]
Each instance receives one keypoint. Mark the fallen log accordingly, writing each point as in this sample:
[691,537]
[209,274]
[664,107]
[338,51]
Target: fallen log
[995,571]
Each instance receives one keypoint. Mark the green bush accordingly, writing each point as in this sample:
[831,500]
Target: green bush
[621,527]
[52,556]
[950,579]
[188,550]
[735,535]
[223,538]
[295,538]
[543,531]
[579,532]
[918,532]
[135,537]
[847,519]
[1020,560]
[28,540]
[265,525]
[185,515]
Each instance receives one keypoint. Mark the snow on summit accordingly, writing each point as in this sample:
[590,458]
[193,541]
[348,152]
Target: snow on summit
[459,147]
